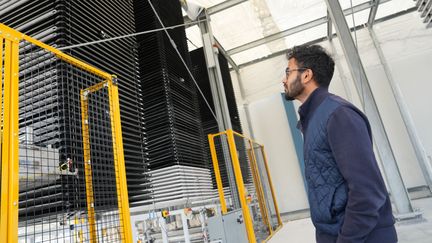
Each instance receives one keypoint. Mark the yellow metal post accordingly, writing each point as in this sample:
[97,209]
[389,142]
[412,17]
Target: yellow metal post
[10,167]
[119,163]
[240,186]
[217,173]
[14,149]
[271,186]
[120,170]
[87,166]
[5,144]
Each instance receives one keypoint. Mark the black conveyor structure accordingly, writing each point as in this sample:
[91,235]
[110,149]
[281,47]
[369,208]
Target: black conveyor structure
[54,98]
[209,122]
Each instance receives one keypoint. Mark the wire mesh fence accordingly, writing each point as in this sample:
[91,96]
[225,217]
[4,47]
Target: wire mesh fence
[66,147]
[250,181]
[265,181]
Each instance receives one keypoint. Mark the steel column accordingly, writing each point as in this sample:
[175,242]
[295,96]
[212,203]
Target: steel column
[395,182]
[215,76]
[329,27]
[218,93]
[426,167]
[245,104]
[373,12]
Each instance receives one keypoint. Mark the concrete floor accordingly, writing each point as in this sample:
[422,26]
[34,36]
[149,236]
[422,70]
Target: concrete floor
[302,230]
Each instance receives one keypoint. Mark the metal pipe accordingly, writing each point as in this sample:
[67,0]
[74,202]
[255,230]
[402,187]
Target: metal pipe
[164,230]
[185,227]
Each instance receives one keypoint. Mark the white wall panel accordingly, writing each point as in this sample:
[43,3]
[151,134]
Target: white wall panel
[269,122]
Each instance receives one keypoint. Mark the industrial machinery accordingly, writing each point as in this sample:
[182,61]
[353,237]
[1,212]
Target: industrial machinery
[255,220]
[60,161]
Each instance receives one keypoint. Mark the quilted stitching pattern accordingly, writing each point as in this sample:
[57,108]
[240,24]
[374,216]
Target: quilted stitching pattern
[327,190]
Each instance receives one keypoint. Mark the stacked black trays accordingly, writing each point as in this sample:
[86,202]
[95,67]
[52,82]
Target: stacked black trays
[210,125]
[171,109]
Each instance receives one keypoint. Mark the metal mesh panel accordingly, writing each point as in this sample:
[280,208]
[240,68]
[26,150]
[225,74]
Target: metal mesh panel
[253,190]
[65,23]
[68,185]
[252,183]
[227,172]
[258,152]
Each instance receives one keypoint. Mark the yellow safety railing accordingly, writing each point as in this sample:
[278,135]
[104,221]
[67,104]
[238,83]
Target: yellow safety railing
[262,183]
[9,62]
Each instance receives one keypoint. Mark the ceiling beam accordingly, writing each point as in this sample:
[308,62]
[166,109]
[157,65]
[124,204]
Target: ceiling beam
[298,28]
[373,13]
[224,5]
[321,39]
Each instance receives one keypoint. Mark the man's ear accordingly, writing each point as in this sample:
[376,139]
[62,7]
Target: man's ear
[307,76]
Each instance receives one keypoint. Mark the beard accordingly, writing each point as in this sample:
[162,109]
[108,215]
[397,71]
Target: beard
[295,89]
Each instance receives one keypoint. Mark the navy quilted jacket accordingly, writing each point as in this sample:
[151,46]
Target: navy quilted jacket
[347,195]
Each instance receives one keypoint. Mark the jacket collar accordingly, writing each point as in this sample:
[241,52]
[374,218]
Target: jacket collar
[309,106]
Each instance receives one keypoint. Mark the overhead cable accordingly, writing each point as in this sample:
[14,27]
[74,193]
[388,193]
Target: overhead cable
[181,58]
[127,36]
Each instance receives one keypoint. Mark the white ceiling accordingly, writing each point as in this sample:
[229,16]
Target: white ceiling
[255,19]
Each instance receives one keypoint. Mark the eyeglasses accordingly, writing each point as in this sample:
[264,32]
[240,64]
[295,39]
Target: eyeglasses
[287,70]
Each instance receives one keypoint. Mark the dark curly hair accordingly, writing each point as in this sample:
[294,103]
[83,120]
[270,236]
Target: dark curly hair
[315,58]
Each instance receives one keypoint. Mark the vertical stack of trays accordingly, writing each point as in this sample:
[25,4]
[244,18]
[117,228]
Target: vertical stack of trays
[174,129]
[209,122]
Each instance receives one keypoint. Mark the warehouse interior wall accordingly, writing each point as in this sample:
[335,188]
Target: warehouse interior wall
[407,46]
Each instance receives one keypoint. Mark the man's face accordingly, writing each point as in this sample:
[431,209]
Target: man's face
[292,82]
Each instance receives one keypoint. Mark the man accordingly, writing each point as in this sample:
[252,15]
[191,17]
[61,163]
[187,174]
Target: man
[347,195]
